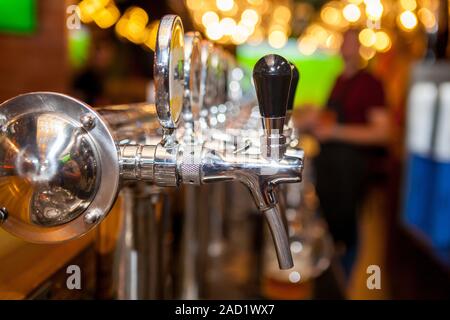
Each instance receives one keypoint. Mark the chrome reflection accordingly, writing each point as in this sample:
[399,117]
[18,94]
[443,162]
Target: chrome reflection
[52,156]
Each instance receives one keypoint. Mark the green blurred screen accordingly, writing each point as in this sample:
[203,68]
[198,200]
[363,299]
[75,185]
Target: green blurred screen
[318,72]
[18,16]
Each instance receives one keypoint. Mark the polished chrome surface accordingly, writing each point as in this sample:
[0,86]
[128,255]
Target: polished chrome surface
[58,164]
[165,167]
[206,50]
[280,238]
[131,122]
[192,77]
[273,126]
[137,162]
[139,151]
[3,214]
[259,174]
[169,71]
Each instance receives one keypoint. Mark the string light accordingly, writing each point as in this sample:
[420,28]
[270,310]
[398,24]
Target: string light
[231,21]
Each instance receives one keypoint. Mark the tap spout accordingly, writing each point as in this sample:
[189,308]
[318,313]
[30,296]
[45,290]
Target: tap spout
[280,238]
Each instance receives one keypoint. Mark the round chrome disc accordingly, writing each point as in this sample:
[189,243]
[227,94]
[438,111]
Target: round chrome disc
[169,71]
[59,173]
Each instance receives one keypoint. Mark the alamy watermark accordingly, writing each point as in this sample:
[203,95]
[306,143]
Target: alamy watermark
[373,281]
[73,21]
[73,281]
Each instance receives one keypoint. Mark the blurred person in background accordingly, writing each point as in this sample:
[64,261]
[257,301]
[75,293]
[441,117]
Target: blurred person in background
[89,84]
[353,130]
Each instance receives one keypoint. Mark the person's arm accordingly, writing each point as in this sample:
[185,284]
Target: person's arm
[375,132]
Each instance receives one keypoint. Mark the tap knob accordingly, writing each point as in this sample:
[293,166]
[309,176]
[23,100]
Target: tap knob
[272,77]
[293,87]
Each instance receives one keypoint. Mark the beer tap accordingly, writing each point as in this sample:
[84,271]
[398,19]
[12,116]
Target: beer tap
[66,160]
[264,170]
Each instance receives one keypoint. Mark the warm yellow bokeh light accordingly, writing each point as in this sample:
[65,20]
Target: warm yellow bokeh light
[151,34]
[374,9]
[427,18]
[194,4]
[137,15]
[256,38]
[228,26]
[135,32]
[107,17]
[250,16]
[282,14]
[318,32]
[277,39]
[224,5]
[209,18]
[409,5]
[351,12]
[367,53]
[331,15]
[307,45]
[240,34]
[407,20]
[214,31]
[246,28]
[383,42]
[367,37]
[88,8]
[334,41]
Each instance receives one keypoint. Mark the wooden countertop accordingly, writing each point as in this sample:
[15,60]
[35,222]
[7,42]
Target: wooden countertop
[25,266]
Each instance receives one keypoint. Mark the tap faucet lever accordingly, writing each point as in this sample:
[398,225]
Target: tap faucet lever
[292,89]
[272,76]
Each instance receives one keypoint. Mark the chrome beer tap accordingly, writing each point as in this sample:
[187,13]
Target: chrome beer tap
[262,170]
[64,159]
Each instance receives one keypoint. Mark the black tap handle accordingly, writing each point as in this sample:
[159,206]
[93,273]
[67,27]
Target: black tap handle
[272,77]
[293,88]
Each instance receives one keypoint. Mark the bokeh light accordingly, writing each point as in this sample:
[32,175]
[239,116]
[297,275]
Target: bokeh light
[407,20]
[351,12]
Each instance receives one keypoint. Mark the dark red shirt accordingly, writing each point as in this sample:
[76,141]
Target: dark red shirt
[353,98]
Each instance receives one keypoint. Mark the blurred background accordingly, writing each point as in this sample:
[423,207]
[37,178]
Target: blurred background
[374,95]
